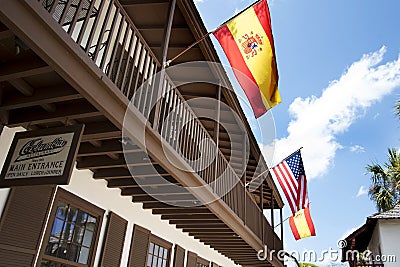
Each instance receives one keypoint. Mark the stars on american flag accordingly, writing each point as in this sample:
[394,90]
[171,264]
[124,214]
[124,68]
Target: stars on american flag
[295,163]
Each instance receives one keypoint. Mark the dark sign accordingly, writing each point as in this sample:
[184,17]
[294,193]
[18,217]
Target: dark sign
[41,157]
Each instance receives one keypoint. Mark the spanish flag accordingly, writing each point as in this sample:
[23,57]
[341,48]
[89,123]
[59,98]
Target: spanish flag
[301,224]
[249,46]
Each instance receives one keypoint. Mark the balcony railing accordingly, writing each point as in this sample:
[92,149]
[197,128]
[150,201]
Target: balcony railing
[109,38]
[368,265]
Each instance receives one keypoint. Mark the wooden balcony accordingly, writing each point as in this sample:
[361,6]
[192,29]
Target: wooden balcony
[82,61]
[369,265]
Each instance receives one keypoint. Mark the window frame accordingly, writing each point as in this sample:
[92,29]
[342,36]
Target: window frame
[202,262]
[69,198]
[162,243]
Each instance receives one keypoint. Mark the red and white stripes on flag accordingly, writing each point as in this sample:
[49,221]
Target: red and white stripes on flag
[292,178]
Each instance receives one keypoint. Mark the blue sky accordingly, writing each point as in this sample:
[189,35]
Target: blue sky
[339,73]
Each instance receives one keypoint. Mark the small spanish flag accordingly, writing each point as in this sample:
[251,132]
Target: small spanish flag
[301,224]
[249,46]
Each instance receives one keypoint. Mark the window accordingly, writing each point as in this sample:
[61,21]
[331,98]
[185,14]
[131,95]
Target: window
[157,256]
[201,265]
[72,232]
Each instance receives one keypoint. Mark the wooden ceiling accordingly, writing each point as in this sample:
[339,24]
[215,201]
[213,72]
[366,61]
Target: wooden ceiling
[33,95]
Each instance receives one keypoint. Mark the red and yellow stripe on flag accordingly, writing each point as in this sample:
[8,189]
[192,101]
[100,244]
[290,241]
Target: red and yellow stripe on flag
[249,46]
[301,224]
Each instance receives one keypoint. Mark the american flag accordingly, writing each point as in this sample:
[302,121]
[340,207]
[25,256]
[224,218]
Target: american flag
[292,178]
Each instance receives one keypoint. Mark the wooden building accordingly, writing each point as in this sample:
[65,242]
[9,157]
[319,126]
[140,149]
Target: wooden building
[81,62]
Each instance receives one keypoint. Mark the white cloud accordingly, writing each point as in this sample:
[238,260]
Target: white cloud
[362,191]
[316,121]
[357,149]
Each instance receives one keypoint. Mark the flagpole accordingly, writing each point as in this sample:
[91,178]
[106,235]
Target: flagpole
[188,48]
[208,34]
[275,165]
[291,154]
[255,3]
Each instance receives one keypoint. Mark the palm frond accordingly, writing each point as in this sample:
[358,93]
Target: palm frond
[385,186]
[384,200]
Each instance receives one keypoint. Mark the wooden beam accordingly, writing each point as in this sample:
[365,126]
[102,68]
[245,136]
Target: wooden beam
[6,34]
[219,235]
[22,86]
[244,249]
[167,32]
[149,27]
[237,251]
[100,131]
[141,171]
[144,182]
[170,190]
[4,117]
[23,67]
[64,111]
[182,211]
[210,241]
[202,230]
[160,205]
[175,47]
[101,162]
[107,146]
[197,222]
[189,216]
[164,198]
[189,227]
[40,96]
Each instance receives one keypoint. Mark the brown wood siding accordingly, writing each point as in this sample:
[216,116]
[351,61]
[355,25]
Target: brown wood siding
[214,265]
[179,256]
[22,224]
[114,241]
[191,259]
[139,247]
[15,259]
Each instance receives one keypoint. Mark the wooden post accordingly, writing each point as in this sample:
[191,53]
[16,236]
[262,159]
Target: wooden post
[262,211]
[272,218]
[167,35]
[281,215]
[244,166]
[216,130]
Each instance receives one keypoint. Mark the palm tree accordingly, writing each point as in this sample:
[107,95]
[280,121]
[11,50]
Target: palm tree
[385,188]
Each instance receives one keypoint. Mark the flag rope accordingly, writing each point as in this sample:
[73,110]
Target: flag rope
[282,222]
